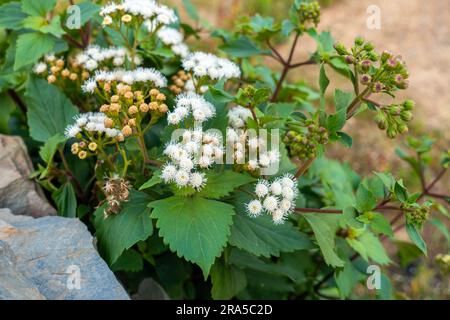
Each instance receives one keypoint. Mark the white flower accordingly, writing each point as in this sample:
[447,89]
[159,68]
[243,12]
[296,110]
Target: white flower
[186,164]
[72,131]
[182,178]
[254,208]
[39,68]
[89,86]
[173,118]
[278,216]
[271,203]
[286,205]
[262,189]
[288,181]
[274,156]
[206,64]
[205,162]
[264,160]
[288,193]
[198,180]
[207,150]
[170,36]
[253,165]
[276,188]
[168,172]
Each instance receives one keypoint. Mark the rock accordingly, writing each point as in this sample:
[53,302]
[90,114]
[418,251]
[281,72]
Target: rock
[56,255]
[13,284]
[149,289]
[17,191]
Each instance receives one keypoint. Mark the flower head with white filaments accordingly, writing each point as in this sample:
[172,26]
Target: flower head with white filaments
[203,64]
[174,39]
[276,198]
[191,104]
[94,56]
[146,10]
[197,151]
[140,75]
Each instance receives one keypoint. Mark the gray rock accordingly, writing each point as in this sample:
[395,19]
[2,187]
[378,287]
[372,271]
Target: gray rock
[57,256]
[149,289]
[13,284]
[17,191]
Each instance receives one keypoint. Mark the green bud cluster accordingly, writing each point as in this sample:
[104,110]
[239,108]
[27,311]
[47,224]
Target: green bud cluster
[383,73]
[308,14]
[394,118]
[304,144]
[417,214]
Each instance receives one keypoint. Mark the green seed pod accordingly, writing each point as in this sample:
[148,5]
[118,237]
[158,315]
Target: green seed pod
[340,49]
[406,116]
[359,41]
[391,132]
[409,104]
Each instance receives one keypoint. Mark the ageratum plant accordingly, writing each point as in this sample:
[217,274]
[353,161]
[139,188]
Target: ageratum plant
[206,170]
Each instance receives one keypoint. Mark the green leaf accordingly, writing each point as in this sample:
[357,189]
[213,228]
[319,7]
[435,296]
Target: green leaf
[400,191]
[7,106]
[336,122]
[380,224]
[407,253]
[153,181]
[416,237]
[30,47]
[88,10]
[38,8]
[242,47]
[54,27]
[365,200]
[48,150]
[66,200]
[261,237]
[325,238]
[130,261]
[282,109]
[227,281]
[345,139]
[222,184]
[387,179]
[220,95]
[196,228]
[49,111]
[346,279]
[323,80]
[121,231]
[11,16]
[373,248]
[191,10]
[342,100]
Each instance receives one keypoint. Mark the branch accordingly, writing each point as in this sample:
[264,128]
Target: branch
[304,63]
[275,51]
[72,41]
[304,167]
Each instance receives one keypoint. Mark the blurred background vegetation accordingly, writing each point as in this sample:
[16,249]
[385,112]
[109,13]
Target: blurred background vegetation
[420,32]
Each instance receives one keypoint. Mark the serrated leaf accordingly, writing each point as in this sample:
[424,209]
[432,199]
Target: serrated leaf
[88,10]
[30,47]
[130,261]
[227,281]
[222,184]
[323,80]
[416,237]
[342,100]
[373,248]
[387,179]
[325,236]
[11,16]
[153,181]
[66,201]
[380,224]
[365,200]
[196,228]
[121,231]
[219,95]
[49,111]
[38,8]
[346,279]
[48,150]
[242,47]
[261,237]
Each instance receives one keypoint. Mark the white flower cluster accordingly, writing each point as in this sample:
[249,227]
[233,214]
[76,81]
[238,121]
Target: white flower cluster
[93,122]
[147,9]
[173,38]
[94,55]
[41,66]
[277,198]
[191,103]
[205,64]
[197,150]
[238,137]
[126,77]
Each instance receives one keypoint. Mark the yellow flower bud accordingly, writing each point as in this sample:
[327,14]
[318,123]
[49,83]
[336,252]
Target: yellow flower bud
[128,95]
[74,148]
[82,154]
[163,108]
[65,73]
[51,78]
[104,108]
[92,146]
[161,97]
[109,123]
[154,92]
[132,110]
[153,105]
[126,18]
[132,122]
[60,63]
[144,107]
[115,98]
[73,76]
[127,131]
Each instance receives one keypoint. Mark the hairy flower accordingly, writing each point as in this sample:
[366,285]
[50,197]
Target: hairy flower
[205,64]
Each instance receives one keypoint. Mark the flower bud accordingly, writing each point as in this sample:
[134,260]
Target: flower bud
[161,97]
[349,59]
[153,105]
[365,79]
[365,65]
[127,131]
[144,107]
[163,108]
[409,104]
[73,76]
[359,41]
[132,122]
[126,18]
[381,121]
[369,46]
[132,110]
[82,154]
[92,146]
[391,132]
[402,128]
[115,98]
[406,116]
[51,78]
[74,148]
[395,110]
[386,55]
[154,92]
[104,108]
[340,49]
[109,123]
